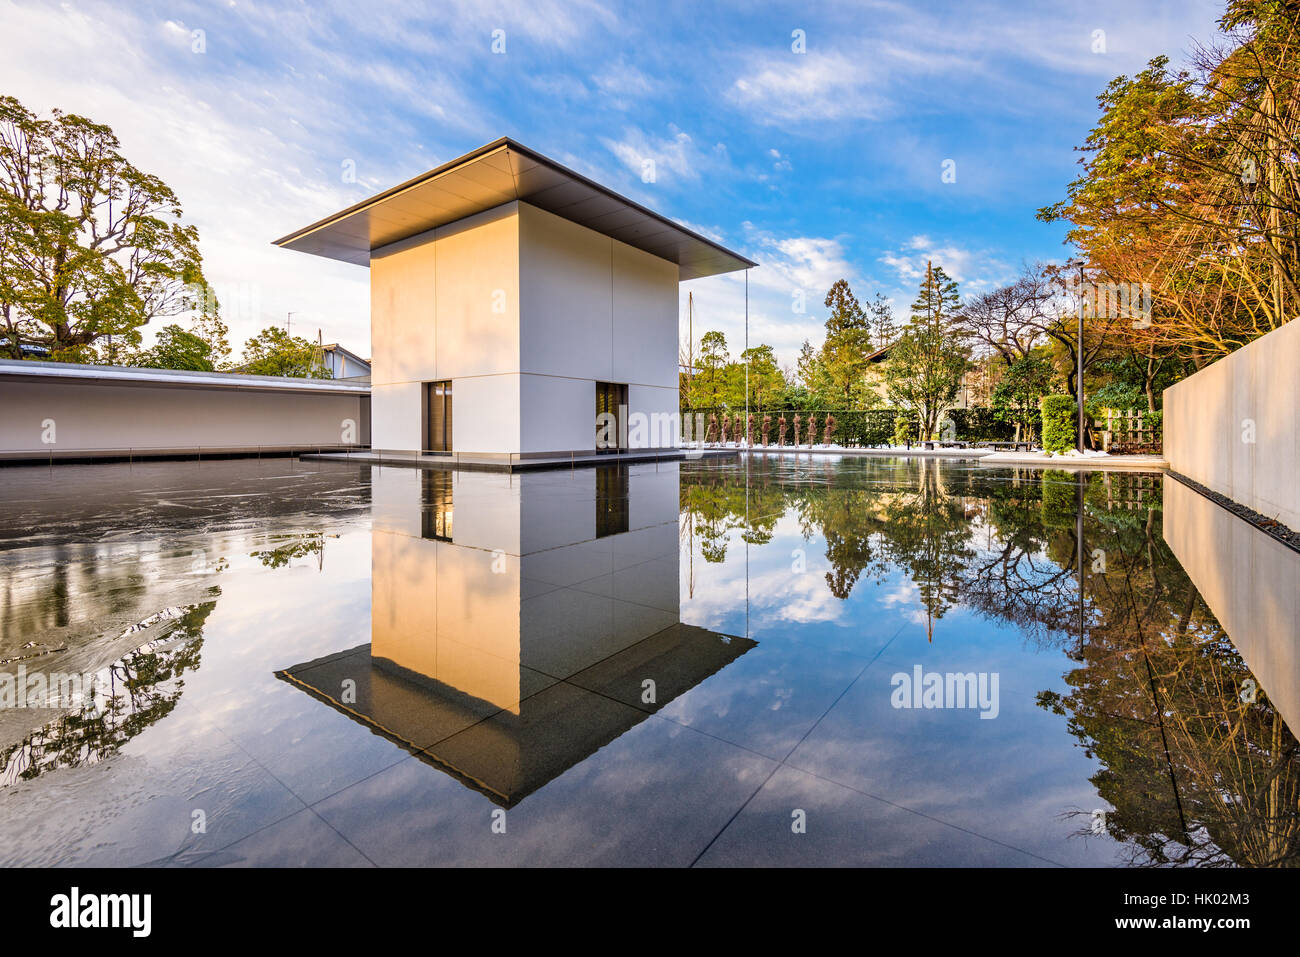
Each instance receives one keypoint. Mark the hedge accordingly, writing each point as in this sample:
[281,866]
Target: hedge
[875,427]
[979,424]
[1059,414]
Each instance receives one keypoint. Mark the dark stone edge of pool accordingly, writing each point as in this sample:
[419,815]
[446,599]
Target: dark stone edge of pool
[1270,527]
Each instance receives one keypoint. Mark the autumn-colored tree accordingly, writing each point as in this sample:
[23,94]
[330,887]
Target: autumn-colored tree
[1190,187]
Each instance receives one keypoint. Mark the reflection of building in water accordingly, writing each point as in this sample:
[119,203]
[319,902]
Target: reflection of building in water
[1250,581]
[537,627]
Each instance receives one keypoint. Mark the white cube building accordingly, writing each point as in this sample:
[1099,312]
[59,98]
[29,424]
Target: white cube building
[512,301]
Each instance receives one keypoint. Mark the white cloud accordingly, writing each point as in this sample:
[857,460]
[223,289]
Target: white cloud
[677,155]
[809,87]
[975,270]
[895,59]
[622,81]
[252,133]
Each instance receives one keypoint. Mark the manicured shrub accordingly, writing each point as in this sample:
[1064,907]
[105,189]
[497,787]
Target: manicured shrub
[1059,415]
[902,430]
[1059,505]
[980,424]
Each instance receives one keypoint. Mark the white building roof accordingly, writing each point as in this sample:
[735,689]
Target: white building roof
[28,370]
[495,174]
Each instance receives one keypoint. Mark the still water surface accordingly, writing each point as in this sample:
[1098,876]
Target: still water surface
[799,661]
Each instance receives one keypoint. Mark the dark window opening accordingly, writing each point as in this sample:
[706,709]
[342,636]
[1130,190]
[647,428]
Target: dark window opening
[611,500]
[611,411]
[436,509]
[438,417]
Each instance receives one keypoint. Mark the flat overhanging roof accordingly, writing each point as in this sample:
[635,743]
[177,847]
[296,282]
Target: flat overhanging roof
[498,173]
[27,370]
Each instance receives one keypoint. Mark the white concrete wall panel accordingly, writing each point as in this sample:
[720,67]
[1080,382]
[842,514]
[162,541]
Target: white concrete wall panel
[403,340]
[644,318]
[396,416]
[90,417]
[659,409]
[1210,418]
[566,287]
[559,414]
[477,294]
[485,414]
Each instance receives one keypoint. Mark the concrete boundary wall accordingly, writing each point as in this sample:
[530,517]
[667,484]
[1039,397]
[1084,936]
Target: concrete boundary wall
[58,417]
[1234,427]
[1249,580]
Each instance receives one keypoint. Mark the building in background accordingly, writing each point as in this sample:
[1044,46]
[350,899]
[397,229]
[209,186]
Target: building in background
[343,363]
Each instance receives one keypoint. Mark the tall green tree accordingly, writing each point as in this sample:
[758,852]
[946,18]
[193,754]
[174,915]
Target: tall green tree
[881,319]
[938,300]
[90,245]
[1023,384]
[766,381]
[710,381]
[848,343]
[176,348]
[274,352]
[927,362]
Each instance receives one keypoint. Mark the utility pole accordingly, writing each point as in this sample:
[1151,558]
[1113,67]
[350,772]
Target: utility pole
[1078,354]
[690,339]
[1078,379]
[288,324]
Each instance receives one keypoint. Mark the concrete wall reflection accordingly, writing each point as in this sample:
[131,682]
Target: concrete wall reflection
[1250,581]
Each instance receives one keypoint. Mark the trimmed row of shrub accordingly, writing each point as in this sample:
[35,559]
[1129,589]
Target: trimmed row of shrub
[1059,414]
[867,427]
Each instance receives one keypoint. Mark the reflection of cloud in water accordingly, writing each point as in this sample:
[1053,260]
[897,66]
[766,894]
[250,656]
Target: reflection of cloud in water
[776,592]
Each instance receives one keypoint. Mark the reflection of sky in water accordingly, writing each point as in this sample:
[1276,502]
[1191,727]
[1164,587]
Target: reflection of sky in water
[503,665]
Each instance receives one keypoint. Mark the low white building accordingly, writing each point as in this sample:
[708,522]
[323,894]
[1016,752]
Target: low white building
[512,301]
[61,411]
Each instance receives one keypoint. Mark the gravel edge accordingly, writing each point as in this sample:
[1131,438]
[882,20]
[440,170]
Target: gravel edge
[1270,527]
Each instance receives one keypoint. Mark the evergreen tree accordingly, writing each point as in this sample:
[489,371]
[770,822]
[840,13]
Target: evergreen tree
[848,343]
[883,327]
[927,362]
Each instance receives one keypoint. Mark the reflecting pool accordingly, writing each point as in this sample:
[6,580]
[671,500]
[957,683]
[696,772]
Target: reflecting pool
[790,660]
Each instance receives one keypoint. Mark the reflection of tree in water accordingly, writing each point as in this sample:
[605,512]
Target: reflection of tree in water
[138,690]
[31,603]
[929,534]
[714,504]
[284,548]
[921,526]
[1196,775]
[1027,572]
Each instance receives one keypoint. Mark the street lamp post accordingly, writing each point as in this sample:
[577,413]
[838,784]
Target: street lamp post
[1078,355]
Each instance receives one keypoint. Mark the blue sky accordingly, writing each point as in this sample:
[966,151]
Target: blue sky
[817,164]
